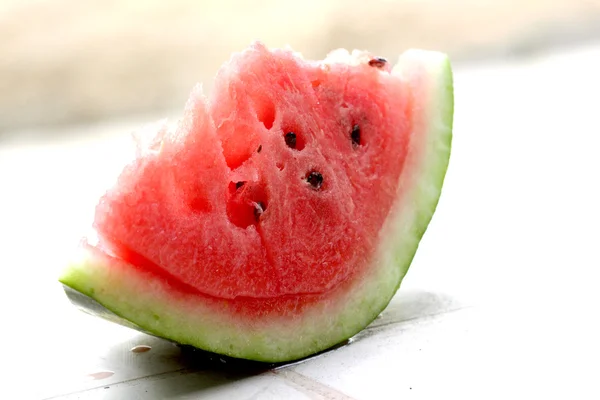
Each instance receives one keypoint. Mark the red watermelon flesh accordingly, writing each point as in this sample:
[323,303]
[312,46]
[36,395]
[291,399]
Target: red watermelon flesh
[275,234]
[274,202]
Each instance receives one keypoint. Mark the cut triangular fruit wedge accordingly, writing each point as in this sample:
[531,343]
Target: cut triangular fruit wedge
[280,215]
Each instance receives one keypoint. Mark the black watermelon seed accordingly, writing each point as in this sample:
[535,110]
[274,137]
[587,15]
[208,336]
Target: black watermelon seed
[259,208]
[377,62]
[355,135]
[259,148]
[239,184]
[315,179]
[290,140]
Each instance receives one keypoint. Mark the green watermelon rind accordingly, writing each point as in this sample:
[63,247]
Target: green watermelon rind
[156,308]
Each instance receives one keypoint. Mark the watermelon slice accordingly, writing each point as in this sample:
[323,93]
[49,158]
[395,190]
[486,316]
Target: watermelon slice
[280,215]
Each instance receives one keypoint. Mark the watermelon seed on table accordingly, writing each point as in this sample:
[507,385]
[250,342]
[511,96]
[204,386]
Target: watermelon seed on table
[140,348]
[98,375]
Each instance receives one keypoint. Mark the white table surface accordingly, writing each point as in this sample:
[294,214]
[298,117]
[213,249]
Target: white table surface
[500,302]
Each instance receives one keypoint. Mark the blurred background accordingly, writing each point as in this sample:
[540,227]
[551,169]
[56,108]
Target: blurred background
[518,221]
[65,62]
